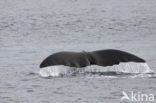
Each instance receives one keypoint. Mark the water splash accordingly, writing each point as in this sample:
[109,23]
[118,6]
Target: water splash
[129,69]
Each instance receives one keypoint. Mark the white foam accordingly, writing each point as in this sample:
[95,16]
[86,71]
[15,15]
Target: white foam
[130,67]
[55,71]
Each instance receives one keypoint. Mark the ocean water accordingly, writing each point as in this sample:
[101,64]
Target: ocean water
[32,30]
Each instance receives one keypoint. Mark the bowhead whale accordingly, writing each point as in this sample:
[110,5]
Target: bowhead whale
[107,57]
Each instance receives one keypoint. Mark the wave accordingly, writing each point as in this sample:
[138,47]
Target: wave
[122,70]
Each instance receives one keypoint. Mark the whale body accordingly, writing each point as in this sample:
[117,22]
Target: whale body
[104,58]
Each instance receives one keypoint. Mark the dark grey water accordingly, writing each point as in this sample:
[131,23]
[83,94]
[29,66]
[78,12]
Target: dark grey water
[30,31]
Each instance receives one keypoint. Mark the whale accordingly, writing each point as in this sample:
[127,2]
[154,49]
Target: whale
[107,57]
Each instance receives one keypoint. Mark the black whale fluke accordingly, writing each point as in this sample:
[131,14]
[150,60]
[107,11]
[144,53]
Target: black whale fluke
[107,57]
